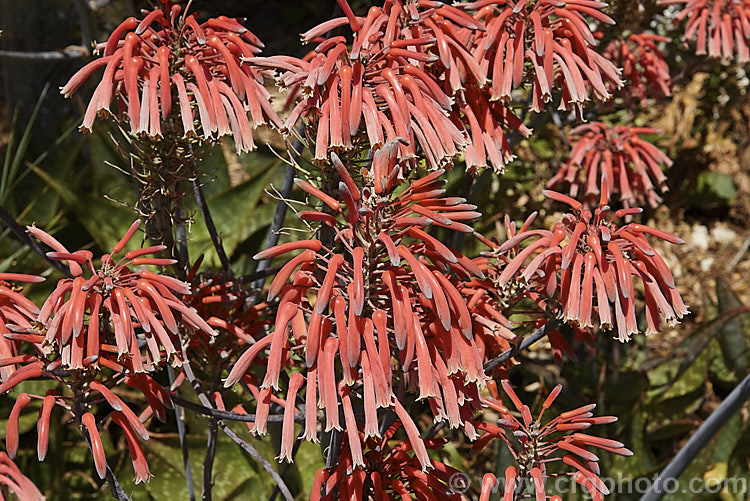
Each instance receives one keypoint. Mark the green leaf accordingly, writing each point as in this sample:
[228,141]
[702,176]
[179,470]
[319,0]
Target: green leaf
[237,213]
[60,187]
[235,476]
[714,190]
[691,379]
[734,343]
[10,168]
[105,221]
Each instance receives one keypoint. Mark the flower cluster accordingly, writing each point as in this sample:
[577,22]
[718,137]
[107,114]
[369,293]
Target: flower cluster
[554,37]
[123,307]
[632,164]
[238,323]
[596,260]
[96,392]
[381,291]
[88,337]
[150,61]
[411,74]
[643,65]
[384,470]
[491,304]
[535,444]
[15,309]
[373,325]
[721,26]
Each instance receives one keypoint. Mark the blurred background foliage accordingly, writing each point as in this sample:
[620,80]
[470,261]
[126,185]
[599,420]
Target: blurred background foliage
[660,387]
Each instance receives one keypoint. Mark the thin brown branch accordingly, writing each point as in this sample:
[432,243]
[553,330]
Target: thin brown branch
[527,341]
[190,375]
[70,52]
[24,237]
[200,199]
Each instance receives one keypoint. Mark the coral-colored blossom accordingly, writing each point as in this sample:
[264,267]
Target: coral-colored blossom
[631,163]
[388,470]
[14,309]
[555,38]
[411,74]
[535,444]
[124,307]
[168,55]
[385,293]
[587,262]
[12,479]
[721,27]
[643,65]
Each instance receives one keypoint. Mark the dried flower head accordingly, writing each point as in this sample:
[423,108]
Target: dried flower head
[722,26]
[411,76]
[166,68]
[596,259]
[535,444]
[237,322]
[87,321]
[632,164]
[644,67]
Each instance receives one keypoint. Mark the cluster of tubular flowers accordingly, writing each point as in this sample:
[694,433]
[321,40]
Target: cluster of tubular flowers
[12,479]
[88,337]
[392,470]
[410,74]
[102,320]
[15,309]
[643,66]
[491,304]
[721,27]
[555,39]
[237,324]
[167,65]
[535,444]
[93,390]
[587,263]
[632,164]
[381,292]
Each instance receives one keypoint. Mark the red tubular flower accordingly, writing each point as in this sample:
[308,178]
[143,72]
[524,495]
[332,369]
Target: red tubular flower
[385,291]
[555,38]
[225,307]
[535,444]
[597,259]
[14,309]
[492,302]
[644,66]
[151,64]
[16,482]
[140,465]
[387,471]
[123,308]
[632,164]
[95,388]
[721,26]
[411,76]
